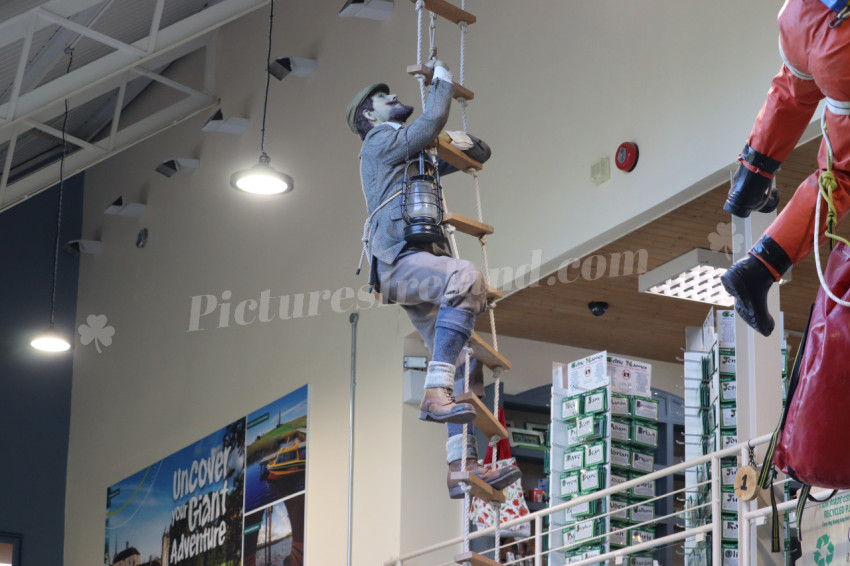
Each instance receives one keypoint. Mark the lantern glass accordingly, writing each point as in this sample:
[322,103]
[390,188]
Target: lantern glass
[422,202]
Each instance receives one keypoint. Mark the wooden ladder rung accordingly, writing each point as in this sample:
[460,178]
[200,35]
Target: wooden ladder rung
[448,11]
[452,155]
[493,293]
[467,225]
[484,420]
[460,90]
[478,487]
[474,559]
[485,353]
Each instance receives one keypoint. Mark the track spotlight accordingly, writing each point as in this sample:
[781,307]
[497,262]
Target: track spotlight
[218,123]
[76,247]
[298,66]
[185,165]
[121,208]
[368,9]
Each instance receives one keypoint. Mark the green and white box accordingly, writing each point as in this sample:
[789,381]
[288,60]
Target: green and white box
[728,416]
[730,555]
[620,405]
[728,502]
[619,508]
[621,456]
[644,434]
[619,535]
[572,436]
[727,361]
[642,461]
[592,479]
[571,407]
[728,389]
[584,427]
[645,409]
[616,479]
[573,459]
[621,430]
[730,528]
[569,484]
[728,439]
[642,535]
[641,561]
[644,490]
[642,513]
[595,401]
[585,530]
[577,511]
[594,454]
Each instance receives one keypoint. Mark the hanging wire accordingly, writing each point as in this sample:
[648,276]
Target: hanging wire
[268,78]
[69,51]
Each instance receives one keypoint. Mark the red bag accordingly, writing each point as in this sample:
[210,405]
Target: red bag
[811,445]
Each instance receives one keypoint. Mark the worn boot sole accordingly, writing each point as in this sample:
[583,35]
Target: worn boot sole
[510,475]
[461,416]
[737,287]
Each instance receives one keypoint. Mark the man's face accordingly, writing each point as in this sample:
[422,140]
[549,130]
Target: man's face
[387,108]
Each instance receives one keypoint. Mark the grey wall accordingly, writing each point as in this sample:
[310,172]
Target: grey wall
[35,388]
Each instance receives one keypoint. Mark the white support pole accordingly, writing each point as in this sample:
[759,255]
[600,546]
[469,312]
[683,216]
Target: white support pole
[22,65]
[758,369]
[155,23]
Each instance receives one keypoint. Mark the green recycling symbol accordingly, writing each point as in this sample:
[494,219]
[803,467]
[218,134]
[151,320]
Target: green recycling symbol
[823,554]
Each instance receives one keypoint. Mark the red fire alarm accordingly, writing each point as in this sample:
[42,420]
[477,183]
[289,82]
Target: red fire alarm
[627,156]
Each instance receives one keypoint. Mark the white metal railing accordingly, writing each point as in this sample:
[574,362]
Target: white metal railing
[747,515]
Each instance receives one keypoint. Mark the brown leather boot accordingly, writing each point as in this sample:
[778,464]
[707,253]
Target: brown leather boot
[497,479]
[439,406]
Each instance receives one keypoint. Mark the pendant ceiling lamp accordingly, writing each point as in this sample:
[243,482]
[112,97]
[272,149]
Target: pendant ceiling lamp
[51,340]
[262,178]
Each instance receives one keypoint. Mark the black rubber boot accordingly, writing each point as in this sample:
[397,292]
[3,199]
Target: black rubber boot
[751,191]
[749,280]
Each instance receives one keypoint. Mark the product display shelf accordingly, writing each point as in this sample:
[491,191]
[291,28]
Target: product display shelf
[710,425]
[601,437]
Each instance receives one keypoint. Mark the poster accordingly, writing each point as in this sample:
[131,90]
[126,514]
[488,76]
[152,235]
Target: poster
[826,532]
[587,374]
[233,498]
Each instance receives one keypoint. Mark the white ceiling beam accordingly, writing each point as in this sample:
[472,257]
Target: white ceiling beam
[82,159]
[90,33]
[117,62]
[58,135]
[56,107]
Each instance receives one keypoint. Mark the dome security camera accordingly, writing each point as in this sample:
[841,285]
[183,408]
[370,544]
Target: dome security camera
[598,308]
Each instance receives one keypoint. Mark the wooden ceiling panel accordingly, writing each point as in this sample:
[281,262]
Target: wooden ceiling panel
[639,324]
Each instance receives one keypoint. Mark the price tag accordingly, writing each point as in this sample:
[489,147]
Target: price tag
[643,513]
[727,475]
[646,435]
[572,436]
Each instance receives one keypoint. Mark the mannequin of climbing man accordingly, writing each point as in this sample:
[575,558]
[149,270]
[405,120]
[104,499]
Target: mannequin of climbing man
[441,295]
[815,49]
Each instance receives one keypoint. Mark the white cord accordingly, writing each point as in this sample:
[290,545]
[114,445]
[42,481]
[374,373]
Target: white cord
[816,229]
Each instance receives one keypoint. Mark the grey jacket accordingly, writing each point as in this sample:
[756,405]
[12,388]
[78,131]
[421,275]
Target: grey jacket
[382,157]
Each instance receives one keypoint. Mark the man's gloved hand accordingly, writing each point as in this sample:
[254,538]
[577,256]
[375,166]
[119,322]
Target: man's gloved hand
[441,70]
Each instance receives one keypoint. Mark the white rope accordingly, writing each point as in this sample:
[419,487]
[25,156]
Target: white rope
[497,512]
[432,36]
[816,229]
[823,283]
[466,504]
[367,230]
[420,6]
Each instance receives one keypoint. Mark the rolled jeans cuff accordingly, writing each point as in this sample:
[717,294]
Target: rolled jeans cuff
[440,374]
[454,448]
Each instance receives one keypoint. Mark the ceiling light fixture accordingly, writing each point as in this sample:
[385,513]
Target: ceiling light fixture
[51,340]
[694,276]
[262,178]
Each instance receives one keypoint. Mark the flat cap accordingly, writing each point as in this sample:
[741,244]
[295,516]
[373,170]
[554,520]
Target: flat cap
[351,111]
